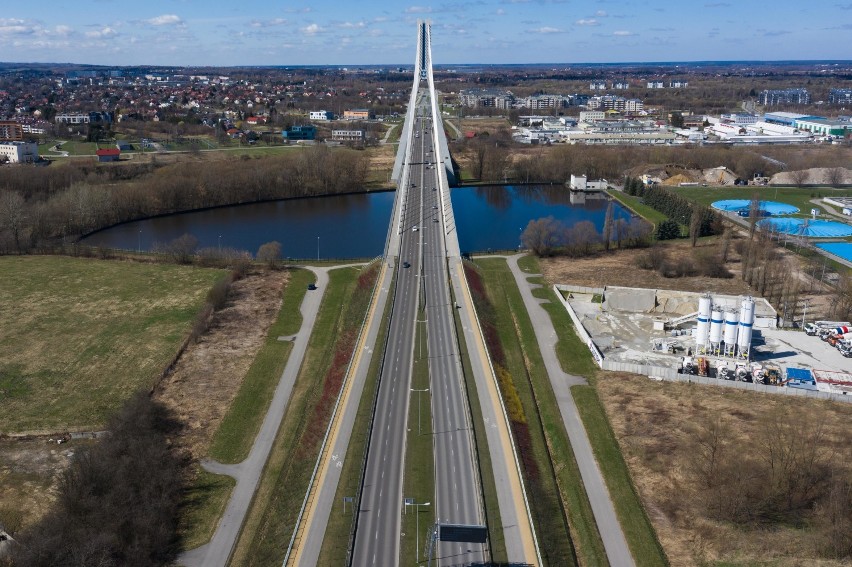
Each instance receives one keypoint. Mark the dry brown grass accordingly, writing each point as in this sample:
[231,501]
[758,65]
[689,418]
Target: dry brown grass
[654,424]
[619,269]
[209,373]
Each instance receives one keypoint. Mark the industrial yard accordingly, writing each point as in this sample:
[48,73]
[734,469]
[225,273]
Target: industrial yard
[719,336]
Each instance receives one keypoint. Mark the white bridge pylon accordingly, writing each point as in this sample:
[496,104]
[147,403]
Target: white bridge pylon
[423,72]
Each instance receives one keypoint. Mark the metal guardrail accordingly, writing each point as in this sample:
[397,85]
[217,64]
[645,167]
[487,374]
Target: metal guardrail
[323,447]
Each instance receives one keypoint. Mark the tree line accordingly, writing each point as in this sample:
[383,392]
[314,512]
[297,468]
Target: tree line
[78,201]
[547,236]
[118,501]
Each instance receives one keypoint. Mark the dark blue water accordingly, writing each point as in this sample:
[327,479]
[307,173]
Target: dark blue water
[355,226]
[494,217]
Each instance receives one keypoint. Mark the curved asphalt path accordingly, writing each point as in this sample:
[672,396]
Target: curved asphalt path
[247,473]
[612,535]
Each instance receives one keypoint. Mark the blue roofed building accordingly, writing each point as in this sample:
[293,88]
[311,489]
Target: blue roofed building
[299,133]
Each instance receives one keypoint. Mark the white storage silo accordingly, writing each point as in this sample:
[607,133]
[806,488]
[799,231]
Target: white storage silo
[702,330]
[716,321]
[732,319]
[746,323]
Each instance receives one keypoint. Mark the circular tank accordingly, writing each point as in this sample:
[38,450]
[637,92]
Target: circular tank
[732,319]
[702,330]
[746,323]
[716,321]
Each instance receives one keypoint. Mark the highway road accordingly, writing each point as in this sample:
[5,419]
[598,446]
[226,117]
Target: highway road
[422,279]
[378,529]
[457,490]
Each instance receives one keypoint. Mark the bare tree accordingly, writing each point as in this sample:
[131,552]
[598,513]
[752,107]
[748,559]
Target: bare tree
[12,215]
[800,176]
[695,224]
[181,249]
[607,227]
[753,215]
[542,236]
[269,253]
[835,175]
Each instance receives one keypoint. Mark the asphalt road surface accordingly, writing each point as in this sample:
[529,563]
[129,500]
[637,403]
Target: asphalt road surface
[378,531]
[422,280]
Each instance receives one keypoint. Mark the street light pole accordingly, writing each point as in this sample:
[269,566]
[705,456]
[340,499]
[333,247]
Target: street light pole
[805,313]
[317,248]
[418,407]
[417,506]
[139,241]
[220,243]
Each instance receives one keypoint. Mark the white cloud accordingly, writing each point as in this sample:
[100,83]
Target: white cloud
[63,30]
[16,26]
[418,10]
[165,20]
[623,33]
[546,30]
[601,14]
[500,11]
[268,23]
[102,33]
[587,22]
[350,25]
[312,29]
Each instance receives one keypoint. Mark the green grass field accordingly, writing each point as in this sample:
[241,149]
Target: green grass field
[554,450]
[271,518]
[79,336]
[335,544]
[233,440]
[204,502]
[797,196]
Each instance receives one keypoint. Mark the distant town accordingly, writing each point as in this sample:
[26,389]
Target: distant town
[138,109]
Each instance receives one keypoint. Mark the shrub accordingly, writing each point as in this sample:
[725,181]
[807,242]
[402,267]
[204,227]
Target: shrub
[668,230]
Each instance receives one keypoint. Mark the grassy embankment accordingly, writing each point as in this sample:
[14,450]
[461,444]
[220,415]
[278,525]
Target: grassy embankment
[207,495]
[576,359]
[79,336]
[335,544]
[272,516]
[557,495]
[233,440]
[635,204]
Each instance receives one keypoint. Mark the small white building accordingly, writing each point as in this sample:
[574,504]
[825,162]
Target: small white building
[347,135]
[321,115]
[19,152]
[581,183]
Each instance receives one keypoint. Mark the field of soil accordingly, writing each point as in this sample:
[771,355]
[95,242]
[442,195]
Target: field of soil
[662,430]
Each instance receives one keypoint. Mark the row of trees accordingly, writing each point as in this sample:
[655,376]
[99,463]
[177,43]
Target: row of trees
[36,217]
[701,220]
[547,236]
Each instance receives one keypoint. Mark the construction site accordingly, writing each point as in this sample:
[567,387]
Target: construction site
[674,334]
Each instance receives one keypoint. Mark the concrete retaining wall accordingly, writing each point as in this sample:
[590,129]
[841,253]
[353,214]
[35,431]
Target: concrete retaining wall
[578,327]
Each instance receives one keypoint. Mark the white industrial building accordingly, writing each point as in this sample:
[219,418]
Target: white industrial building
[582,183]
[321,115]
[19,152]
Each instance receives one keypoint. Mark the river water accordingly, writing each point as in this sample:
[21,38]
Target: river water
[355,226]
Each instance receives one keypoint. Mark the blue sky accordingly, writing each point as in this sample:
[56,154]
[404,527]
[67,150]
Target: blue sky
[361,32]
